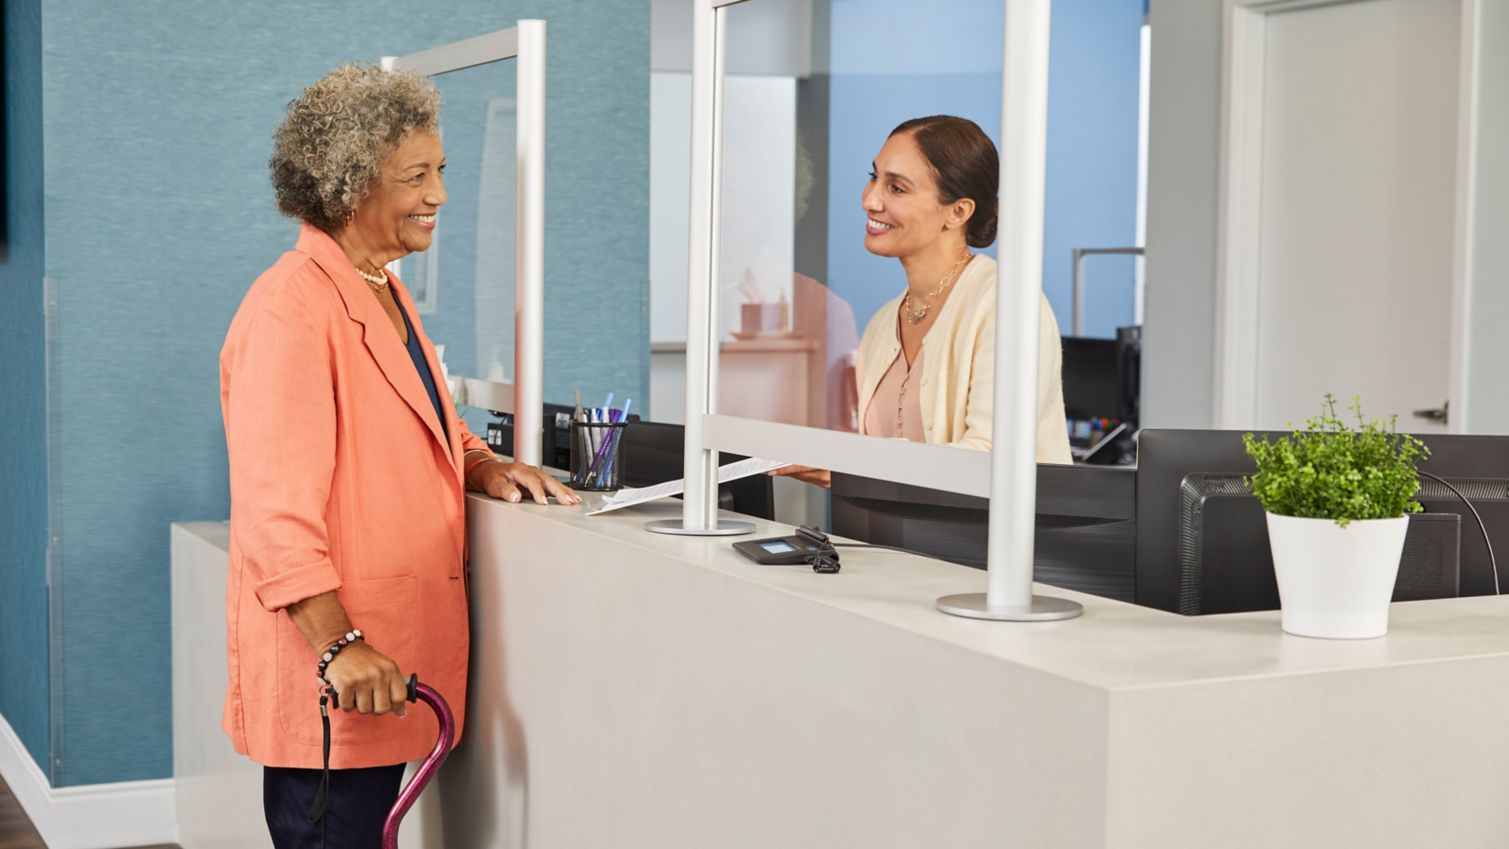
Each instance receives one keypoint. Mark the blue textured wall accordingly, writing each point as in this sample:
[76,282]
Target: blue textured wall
[23,436]
[947,59]
[158,118]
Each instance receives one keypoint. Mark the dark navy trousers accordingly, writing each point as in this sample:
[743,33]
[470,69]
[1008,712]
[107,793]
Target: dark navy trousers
[356,808]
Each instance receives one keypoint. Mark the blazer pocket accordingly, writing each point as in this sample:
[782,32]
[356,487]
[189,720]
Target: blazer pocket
[384,611]
[379,594]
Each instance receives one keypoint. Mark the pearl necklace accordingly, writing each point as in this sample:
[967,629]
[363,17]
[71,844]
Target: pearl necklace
[378,282]
[915,316]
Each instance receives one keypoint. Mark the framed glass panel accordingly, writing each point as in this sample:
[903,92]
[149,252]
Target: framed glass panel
[464,283]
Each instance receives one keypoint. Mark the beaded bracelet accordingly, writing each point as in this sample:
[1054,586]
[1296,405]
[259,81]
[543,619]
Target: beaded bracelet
[327,693]
[351,636]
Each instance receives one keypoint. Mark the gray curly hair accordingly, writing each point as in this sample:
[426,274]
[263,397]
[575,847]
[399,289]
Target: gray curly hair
[328,151]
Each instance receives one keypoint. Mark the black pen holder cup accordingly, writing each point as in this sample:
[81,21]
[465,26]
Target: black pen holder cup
[596,463]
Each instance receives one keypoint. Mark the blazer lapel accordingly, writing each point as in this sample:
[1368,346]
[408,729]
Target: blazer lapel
[452,424]
[382,341]
[452,427]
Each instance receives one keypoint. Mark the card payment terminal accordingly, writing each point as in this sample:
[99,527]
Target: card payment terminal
[807,545]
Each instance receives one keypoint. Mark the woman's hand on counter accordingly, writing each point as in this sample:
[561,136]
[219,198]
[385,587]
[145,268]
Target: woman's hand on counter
[509,481]
[818,477]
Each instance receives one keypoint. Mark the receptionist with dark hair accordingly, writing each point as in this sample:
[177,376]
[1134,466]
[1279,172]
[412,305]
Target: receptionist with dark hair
[926,364]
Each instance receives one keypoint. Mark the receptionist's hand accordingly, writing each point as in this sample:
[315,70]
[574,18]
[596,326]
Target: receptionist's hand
[818,477]
[508,481]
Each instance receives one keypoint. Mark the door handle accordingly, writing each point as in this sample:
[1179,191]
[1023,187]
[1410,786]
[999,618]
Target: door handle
[1438,415]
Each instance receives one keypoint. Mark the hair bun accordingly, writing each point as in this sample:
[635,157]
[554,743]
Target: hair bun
[981,231]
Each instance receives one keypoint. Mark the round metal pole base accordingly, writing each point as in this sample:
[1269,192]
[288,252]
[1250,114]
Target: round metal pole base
[1042,609]
[725,528]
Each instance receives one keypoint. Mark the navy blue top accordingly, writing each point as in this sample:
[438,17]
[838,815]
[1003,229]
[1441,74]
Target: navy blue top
[416,353]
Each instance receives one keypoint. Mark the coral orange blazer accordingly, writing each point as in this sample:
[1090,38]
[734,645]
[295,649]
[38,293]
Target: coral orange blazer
[341,479]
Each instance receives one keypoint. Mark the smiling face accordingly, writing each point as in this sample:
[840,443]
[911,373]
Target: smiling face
[398,216]
[905,214]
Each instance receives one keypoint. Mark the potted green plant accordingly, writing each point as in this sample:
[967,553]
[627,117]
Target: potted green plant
[1338,500]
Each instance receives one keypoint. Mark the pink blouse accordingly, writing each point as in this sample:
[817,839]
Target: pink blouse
[895,410]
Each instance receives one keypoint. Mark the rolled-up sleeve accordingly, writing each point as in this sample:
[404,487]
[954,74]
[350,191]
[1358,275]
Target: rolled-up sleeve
[278,402]
[470,441]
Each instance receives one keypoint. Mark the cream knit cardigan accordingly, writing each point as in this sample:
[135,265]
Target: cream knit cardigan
[958,367]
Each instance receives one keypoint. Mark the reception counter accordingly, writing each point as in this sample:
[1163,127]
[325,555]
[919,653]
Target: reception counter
[638,690]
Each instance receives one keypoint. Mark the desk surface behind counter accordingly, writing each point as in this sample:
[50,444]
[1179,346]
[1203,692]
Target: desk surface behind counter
[634,689]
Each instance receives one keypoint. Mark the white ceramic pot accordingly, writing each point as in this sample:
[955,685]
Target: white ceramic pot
[1332,581]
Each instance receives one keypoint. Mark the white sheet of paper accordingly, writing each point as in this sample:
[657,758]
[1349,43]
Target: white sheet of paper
[628,497]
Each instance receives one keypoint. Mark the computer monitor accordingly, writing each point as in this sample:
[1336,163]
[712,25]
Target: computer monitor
[652,453]
[555,442]
[1102,377]
[1202,540]
[1085,536]
[555,434]
[1102,382]
[1092,385]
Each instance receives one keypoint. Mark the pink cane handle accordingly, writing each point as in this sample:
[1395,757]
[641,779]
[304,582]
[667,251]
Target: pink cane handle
[430,765]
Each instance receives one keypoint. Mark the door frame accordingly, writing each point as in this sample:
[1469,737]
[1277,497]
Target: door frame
[1240,207]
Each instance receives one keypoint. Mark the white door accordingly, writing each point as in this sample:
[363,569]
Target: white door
[1352,239]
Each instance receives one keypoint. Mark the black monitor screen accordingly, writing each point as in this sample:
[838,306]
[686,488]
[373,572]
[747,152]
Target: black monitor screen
[653,452]
[1092,384]
[1084,537]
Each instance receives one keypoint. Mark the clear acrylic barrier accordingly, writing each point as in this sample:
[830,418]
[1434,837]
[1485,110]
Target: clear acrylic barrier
[464,284]
[804,112]
[1009,468]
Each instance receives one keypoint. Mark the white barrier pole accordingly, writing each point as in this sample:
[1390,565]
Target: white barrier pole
[699,510]
[1019,286]
[529,269]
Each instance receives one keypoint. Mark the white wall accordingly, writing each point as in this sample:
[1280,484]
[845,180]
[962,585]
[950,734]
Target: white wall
[1183,186]
[1183,212]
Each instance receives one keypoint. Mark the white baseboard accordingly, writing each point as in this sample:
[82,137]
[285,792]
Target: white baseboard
[93,816]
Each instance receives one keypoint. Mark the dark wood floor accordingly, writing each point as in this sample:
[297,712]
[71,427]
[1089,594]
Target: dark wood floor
[16,831]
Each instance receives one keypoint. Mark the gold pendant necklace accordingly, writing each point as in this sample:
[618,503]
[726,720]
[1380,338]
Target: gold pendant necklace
[915,316]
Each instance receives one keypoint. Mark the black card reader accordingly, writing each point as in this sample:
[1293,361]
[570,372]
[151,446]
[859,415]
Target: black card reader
[807,545]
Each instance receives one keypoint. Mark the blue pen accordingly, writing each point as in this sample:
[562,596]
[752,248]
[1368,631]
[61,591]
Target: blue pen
[602,462]
[608,404]
[599,465]
[613,436]
[616,416]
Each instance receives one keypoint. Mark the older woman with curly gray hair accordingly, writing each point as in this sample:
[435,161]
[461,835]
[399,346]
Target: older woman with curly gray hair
[347,469]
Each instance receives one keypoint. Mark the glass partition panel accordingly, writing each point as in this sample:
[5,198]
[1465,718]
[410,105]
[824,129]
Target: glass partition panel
[464,283]
[807,108]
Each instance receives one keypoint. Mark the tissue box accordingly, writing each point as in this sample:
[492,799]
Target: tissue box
[762,318]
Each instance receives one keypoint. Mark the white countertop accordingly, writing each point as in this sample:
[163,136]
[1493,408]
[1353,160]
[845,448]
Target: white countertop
[1113,646]
[643,690]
